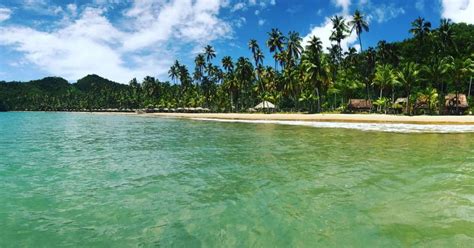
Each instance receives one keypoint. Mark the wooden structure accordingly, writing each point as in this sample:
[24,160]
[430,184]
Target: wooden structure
[265,106]
[359,105]
[456,104]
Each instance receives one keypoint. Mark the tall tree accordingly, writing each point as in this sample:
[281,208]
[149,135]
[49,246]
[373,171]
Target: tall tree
[209,53]
[359,24]
[339,33]
[173,72]
[408,76]
[275,43]
[293,47]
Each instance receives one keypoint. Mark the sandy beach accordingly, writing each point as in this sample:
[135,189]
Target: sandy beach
[356,118]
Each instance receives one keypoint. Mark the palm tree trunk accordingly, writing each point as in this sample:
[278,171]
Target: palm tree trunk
[360,43]
[231,102]
[379,108]
[470,85]
[408,104]
[319,101]
[393,94]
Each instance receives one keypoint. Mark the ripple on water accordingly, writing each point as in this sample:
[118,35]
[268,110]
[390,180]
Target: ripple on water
[91,180]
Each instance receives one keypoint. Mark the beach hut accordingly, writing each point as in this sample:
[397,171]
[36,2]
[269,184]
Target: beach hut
[265,105]
[359,105]
[456,104]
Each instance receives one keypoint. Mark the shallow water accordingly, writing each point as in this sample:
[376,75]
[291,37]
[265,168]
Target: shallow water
[71,179]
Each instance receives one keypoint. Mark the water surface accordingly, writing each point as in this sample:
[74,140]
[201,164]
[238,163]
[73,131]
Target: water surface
[71,179]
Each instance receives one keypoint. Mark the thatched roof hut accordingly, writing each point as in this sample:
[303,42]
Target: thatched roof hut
[360,104]
[451,100]
[264,105]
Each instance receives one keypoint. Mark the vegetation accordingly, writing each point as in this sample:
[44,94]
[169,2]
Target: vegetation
[426,67]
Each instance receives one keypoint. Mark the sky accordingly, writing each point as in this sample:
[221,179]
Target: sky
[125,39]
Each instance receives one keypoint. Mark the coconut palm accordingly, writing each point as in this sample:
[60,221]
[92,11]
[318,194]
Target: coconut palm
[384,77]
[340,31]
[315,44]
[275,43]
[227,64]
[173,72]
[313,68]
[420,28]
[200,62]
[209,53]
[359,24]
[434,73]
[293,47]
[446,35]
[459,70]
[408,76]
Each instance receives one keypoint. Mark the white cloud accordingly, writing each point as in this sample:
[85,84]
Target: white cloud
[42,7]
[5,14]
[382,13]
[324,31]
[238,6]
[72,8]
[458,10]
[244,5]
[420,5]
[261,22]
[239,22]
[90,43]
[344,4]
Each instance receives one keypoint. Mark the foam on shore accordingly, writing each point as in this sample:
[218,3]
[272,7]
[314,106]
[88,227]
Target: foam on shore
[377,127]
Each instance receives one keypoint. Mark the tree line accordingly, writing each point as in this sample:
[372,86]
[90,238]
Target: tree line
[429,65]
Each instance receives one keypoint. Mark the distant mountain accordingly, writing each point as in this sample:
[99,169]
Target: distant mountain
[94,82]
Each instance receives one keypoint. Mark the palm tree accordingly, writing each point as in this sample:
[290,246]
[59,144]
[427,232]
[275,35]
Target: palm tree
[313,66]
[420,30]
[275,43]
[446,35]
[244,76]
[256,52]
[434,73]
[315,45]
[459,70]
[408,76]
[227,64]
[173,72]
[200,62]
[339,33]
[384,77]
[229,81]
[359,24]
[294,48]
[209,52]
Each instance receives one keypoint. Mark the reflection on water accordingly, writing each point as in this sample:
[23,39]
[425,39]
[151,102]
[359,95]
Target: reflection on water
[89,180]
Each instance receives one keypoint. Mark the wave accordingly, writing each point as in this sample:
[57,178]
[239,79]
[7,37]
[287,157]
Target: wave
[376,127]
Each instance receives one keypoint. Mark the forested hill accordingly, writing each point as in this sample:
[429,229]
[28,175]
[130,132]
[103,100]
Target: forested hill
[423,69]
[57,94]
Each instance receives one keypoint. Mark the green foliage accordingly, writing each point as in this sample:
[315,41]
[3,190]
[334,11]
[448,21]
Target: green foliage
[426,67]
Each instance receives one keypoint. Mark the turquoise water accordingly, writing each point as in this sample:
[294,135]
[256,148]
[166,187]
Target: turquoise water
[87,180]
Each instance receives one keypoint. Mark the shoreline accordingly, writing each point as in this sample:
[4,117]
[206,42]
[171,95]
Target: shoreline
[301,117]
[347,118]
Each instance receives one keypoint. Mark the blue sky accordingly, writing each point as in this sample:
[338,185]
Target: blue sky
[122,39]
